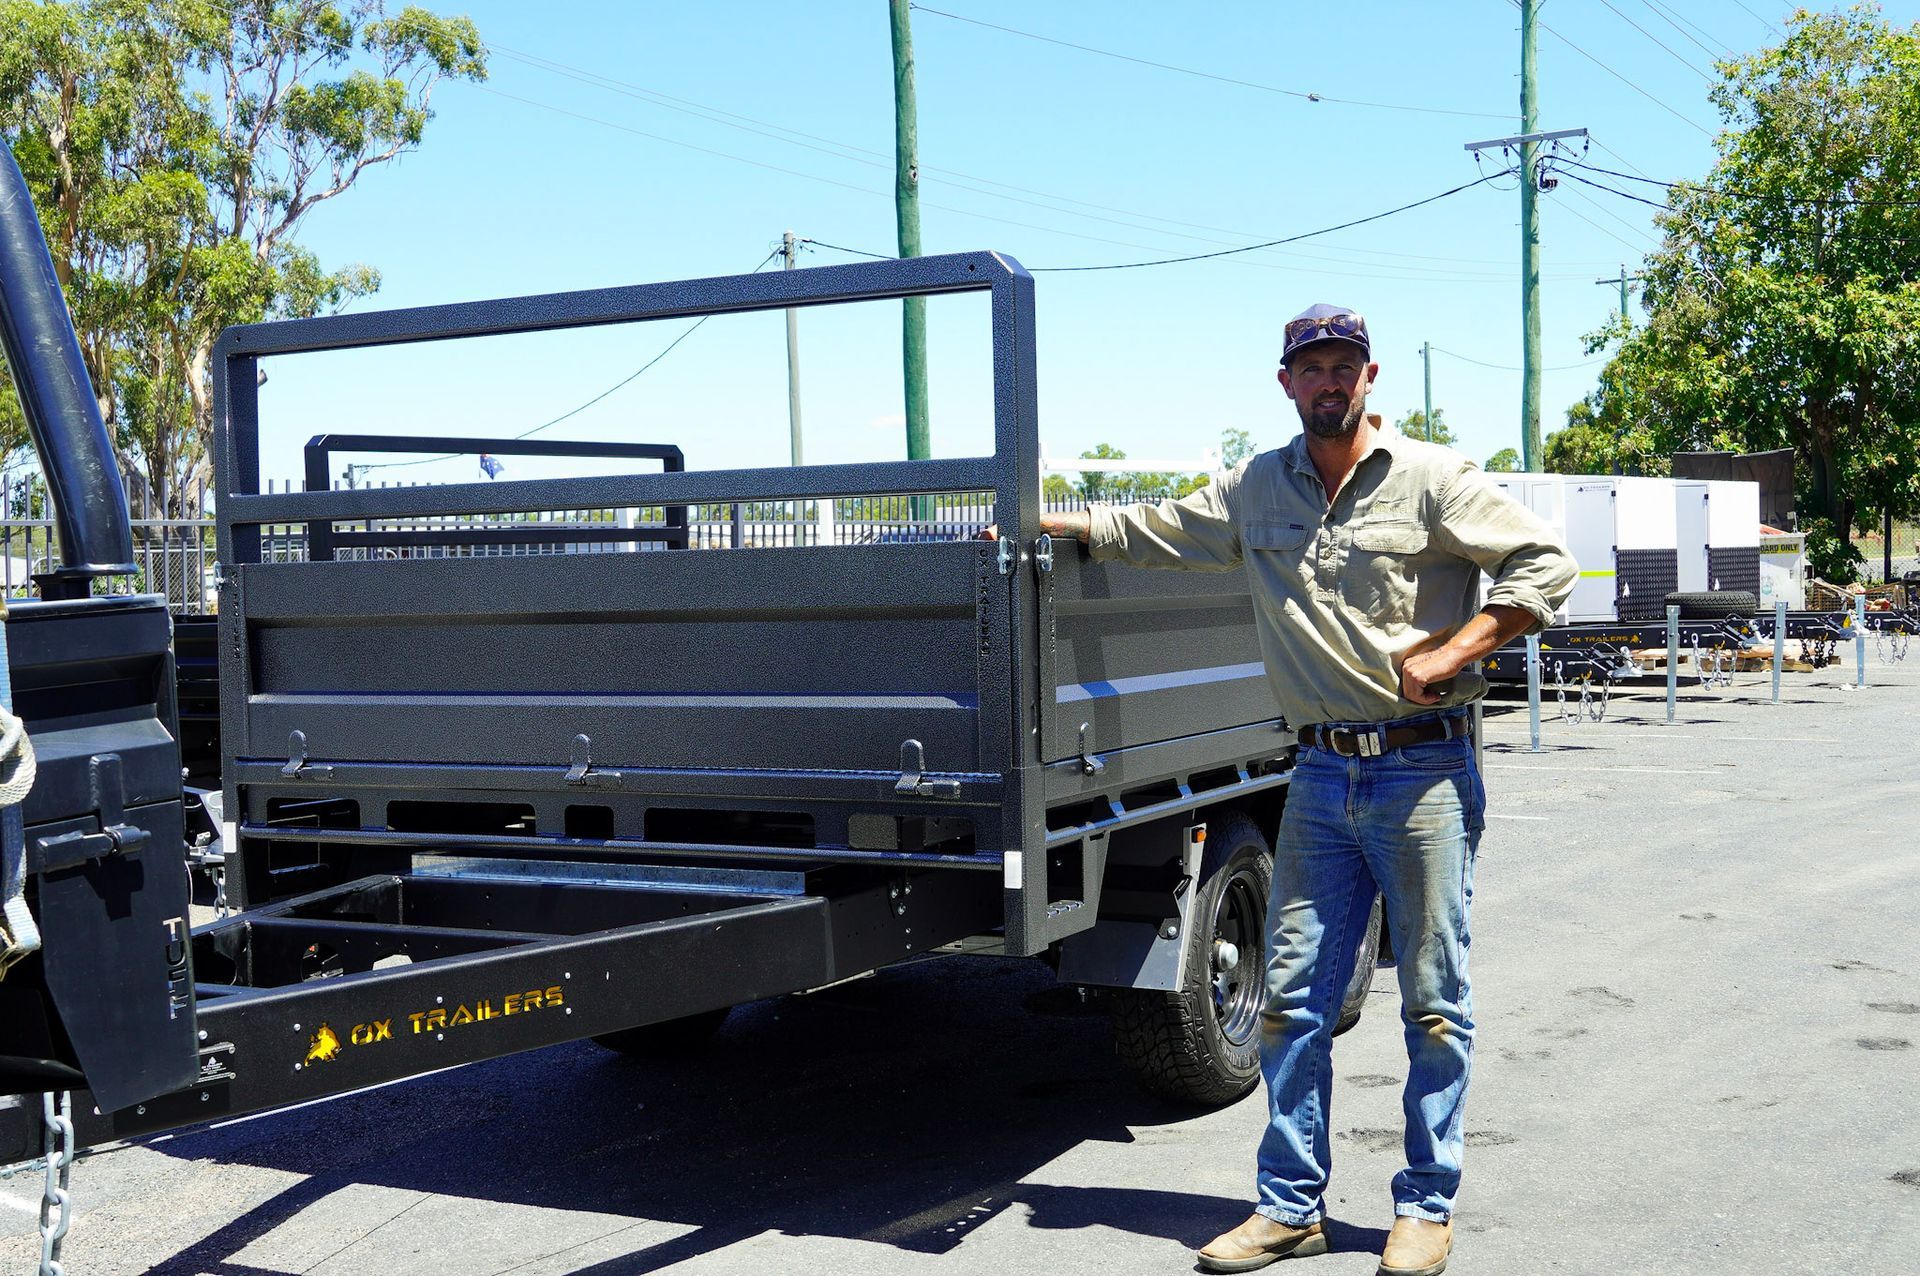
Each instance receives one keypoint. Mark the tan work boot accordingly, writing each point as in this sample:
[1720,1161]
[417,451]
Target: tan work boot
[1416,1247]
[1260,1241]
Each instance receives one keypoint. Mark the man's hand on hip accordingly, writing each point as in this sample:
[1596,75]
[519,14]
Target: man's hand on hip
[1424,678]
[1424,674]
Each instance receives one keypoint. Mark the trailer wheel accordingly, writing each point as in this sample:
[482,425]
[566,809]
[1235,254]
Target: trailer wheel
[671,1039]
[1365,960]
[1202,1044]
[1714,604]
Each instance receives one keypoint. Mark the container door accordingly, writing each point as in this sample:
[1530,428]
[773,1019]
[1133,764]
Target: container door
[1690,536]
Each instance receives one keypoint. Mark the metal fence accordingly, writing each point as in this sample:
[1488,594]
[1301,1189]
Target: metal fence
[1891,551]
[176,556]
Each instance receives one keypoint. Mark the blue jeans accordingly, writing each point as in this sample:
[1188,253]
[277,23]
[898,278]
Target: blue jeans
[1406,823]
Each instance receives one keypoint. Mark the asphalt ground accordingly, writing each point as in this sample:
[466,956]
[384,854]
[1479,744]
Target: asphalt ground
[1697,981]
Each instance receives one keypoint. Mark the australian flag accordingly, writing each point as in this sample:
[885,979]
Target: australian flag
[490,466]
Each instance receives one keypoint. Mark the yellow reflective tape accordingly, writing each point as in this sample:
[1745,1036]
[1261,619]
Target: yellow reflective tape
[1584,575]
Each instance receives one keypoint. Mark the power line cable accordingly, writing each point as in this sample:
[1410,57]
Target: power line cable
[1757,18]
[1508,367]
[618,385]
[1208,75]
[1756,195]
[1616,154]
[1290,239]
[857,252]
[1611,234]
[1358,221]
[847,151]
[1870,239]
[863,156]
[1657,40]
[1616,75]
[1633,227]
[1434,277]
[1662,11]
[877,159]
[1612,190]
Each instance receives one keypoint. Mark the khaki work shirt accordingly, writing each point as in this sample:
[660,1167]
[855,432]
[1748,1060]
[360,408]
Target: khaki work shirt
[1343,593]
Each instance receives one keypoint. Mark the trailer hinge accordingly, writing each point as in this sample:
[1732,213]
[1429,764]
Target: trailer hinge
[1043,553]
[297,767]
[1008,556]
[1089,764]
[913,781]
[116,836]
[582,771]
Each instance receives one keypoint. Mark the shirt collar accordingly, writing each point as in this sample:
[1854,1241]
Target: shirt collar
[1385,439]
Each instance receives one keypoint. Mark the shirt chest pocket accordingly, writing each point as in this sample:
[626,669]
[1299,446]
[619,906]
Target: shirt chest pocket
[1278,548]
[1382,577]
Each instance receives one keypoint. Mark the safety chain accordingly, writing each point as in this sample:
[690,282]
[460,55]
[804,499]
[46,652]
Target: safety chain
[1891,647]
[1588,708]
[56,1205]
[1721,673]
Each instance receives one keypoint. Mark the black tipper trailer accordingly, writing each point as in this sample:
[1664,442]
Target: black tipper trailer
[485,804]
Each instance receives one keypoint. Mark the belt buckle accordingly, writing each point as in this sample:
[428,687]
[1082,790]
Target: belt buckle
[1365,744]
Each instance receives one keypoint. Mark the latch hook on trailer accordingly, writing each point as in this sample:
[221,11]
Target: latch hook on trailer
[297,766]
[1089,764]
[913,781]
[582,772]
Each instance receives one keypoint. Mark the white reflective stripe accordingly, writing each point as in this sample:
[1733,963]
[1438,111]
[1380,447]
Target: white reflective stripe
[1011,866]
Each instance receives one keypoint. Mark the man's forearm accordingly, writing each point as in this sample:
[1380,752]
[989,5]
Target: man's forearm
[1077,524]
[1495,627]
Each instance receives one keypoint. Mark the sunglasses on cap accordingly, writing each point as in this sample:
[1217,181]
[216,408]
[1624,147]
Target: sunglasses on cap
[1350,326]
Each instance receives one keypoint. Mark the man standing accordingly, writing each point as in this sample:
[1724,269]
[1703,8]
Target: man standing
[1363,550]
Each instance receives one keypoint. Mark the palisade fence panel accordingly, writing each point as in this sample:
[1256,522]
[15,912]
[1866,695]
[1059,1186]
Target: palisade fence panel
[175,556]
[1889,551]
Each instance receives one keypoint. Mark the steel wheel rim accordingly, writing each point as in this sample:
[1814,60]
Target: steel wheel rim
[1238,917]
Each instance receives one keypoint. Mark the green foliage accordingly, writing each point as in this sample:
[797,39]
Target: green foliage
[1414,426]
[1830,555]
[1235,447]
[1505,461]
[1784,303]
[173,148]
[1120,487]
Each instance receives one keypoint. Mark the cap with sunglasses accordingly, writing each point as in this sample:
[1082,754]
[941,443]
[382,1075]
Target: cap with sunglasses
[1324,323]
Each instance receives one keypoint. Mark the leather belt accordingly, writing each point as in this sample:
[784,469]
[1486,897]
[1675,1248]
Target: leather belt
[1372,741]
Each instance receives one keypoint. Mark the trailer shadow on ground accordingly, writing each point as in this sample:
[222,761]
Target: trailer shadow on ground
[905,1109]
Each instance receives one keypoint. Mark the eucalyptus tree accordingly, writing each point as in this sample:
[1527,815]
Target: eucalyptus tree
[174,148]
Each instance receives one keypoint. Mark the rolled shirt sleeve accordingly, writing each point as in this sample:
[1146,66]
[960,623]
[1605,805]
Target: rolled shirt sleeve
[1529,565]
[1197,532]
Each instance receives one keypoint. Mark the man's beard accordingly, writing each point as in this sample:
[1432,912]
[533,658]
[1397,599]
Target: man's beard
[1332,423]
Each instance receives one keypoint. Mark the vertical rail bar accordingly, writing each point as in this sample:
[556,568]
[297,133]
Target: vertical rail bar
[1673,659]
[1533,692]
[320,532]
[1860,640]
[1779,643]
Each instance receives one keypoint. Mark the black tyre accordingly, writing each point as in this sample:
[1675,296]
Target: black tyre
[1201,1044]
[1714,604]
[1354,999]
[674,1038]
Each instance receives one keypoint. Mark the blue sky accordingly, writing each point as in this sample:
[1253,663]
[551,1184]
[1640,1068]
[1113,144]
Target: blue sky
[629,143]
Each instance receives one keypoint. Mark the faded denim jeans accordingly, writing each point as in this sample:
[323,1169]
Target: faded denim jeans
[1407,823]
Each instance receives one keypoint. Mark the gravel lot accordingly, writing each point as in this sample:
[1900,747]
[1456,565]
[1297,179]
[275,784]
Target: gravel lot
[1698,989]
